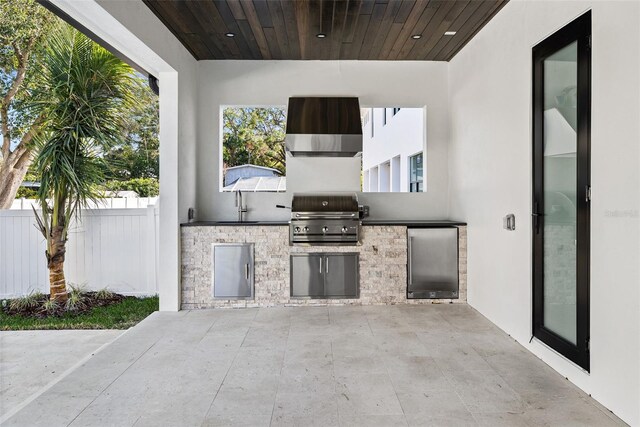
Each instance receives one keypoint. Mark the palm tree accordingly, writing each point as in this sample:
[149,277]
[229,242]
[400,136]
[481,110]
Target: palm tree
[86,94]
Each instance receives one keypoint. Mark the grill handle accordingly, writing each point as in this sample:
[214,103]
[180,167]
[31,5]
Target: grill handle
[325,215]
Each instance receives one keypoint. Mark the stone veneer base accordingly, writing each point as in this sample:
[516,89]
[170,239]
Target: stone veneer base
[383,266]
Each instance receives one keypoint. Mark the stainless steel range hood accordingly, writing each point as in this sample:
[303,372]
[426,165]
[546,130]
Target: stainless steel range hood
[324,127]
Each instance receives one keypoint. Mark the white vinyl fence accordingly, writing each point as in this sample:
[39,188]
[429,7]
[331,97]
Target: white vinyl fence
[106,203]
[109,247]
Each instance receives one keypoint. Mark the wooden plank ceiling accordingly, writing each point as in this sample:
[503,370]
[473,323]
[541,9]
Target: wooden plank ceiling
[353,29]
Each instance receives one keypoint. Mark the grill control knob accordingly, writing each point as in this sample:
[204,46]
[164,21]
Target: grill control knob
[297,229]
[325,229]
[306,229]
[345,229]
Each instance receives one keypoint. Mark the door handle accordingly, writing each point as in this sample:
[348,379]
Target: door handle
[587,193]
[536,218]
[320,265]
[409,279]
[536,221]
[326,266]
[246,271]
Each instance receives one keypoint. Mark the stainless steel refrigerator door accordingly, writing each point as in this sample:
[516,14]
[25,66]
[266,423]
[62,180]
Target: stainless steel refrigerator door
[307,275]
[233,271]
[432,263]
[341,276]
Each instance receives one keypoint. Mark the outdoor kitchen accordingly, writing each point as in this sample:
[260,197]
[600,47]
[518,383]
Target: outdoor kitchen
[370,213]
[331,250]
[381,270]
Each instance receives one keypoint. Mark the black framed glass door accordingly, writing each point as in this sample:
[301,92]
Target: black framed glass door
[561,189]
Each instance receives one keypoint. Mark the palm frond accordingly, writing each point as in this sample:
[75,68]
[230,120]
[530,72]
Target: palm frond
[88,93]
[40,224]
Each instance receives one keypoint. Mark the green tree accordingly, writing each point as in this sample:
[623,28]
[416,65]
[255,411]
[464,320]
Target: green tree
[137,156]
[144,187]
[26,192]
[88,92]
[255,136]
[23,27]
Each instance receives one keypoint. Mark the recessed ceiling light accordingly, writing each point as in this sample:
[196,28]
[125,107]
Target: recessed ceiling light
[230,34]
[416,36]
[450,33]
[321,35]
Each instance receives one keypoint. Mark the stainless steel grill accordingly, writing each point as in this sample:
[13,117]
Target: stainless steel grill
[324,219]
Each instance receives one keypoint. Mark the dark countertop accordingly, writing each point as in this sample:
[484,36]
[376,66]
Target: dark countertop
[414,222]
[231,223]
[401,222]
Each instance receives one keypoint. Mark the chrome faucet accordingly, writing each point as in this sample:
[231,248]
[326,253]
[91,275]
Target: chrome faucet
[241,209]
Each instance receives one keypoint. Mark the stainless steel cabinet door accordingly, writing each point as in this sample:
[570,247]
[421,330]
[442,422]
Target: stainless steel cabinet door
[433,263]
[307,275]
[233,271]
[341,276]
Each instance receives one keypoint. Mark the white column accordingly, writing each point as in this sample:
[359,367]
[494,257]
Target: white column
[169,234]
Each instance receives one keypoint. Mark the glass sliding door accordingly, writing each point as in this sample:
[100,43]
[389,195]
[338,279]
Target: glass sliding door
[561,191]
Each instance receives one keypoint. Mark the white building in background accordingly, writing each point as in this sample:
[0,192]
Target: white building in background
[393,149]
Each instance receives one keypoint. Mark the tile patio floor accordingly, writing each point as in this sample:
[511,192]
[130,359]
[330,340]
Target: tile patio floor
[315,366]
[30,360]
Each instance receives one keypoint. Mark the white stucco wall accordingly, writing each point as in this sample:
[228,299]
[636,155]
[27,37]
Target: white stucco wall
[376,83]
[309,174]
[403,135]
[490,176]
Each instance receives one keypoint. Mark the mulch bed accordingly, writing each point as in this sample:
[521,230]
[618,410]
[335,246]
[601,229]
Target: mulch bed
[89,301]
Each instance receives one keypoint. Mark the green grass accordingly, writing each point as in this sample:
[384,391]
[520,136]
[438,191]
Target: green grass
[121,315]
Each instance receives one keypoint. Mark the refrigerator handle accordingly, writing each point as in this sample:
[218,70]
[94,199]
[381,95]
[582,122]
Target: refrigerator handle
[410,278]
